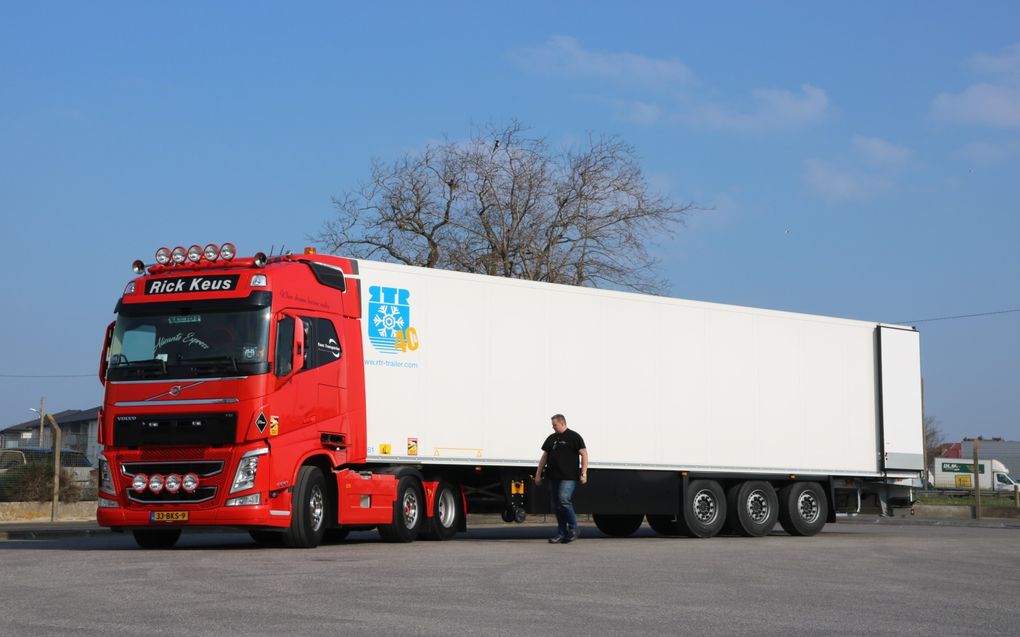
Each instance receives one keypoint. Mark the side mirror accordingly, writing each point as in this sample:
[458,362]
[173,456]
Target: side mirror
[104,358]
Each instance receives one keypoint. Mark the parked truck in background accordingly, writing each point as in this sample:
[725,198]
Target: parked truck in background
[304,396]
[958,473]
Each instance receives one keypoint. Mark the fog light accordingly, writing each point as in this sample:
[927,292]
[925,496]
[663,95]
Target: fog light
[258,281]
[179,255]
[107,504]
[173,483]
[189,483]
[140,482]
[247,500]
[163,256]
[195,253]
[156,483]
[227,251]
[212,252]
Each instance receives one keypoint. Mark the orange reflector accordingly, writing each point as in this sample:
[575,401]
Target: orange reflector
[309,250]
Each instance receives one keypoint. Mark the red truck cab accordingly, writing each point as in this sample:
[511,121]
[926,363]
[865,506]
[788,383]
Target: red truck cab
[234,396]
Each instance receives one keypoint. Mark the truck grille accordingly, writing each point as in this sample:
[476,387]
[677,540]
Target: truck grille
[218,428]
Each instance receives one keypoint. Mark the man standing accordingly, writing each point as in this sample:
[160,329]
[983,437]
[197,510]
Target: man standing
[559,457]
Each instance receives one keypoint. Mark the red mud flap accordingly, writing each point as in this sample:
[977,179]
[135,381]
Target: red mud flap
[365,498]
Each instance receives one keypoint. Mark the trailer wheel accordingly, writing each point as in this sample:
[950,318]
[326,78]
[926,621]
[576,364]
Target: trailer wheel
[802,508]
[753,508]
[446,517]
[704,512]
[309,510]
[408,512]
[665,524]
[617,525]
[156,538]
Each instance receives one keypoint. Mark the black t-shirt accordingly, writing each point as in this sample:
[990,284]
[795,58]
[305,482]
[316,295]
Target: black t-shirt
[564,459]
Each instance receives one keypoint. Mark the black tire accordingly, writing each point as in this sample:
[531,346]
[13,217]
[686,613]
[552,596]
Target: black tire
[618,525]
[156,538]
[752,508]
[309,510]
[447,514]
[704,512]
[266,538]
[408,512]
[665,524]
[803,508]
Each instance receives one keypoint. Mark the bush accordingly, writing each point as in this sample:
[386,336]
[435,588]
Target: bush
[34,483]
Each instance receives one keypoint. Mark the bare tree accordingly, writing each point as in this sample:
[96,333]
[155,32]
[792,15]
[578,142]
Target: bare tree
[933,439]
[504,204]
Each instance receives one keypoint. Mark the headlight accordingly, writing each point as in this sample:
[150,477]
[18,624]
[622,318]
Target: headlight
[156,483]
[140,482]
[105,477]
[247,468]
[190,482]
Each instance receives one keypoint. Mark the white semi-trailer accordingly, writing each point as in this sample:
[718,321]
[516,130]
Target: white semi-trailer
[304,396]
[695,414]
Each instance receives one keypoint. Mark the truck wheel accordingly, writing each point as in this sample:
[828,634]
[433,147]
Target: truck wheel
[446,518]
[752,508]
[617,525]
[156,538]
[704,512]
[408,512]
[309,508]
[802,508]
[665,524]
[266,538]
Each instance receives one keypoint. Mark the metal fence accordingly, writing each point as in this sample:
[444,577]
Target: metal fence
[27,475]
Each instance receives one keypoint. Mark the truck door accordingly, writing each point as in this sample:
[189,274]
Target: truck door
[901,412]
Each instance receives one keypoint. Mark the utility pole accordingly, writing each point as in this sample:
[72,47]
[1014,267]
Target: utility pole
[56,467]
[977,481]
[42,419]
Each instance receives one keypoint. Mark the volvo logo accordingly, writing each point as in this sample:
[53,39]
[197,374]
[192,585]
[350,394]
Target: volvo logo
[175,390]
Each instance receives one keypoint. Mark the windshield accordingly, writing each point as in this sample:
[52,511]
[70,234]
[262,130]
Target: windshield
[189,343]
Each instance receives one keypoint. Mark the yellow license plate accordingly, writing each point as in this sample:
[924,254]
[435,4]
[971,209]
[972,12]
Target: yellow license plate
[168,516]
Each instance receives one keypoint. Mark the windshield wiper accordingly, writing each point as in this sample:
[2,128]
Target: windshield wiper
[151,364]
[139,369]
[210,361]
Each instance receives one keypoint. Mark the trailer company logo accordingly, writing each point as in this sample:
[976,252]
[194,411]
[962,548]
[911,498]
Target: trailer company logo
[389,320]
[191,284]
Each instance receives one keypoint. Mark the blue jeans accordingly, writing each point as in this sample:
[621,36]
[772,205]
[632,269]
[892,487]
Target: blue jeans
[561,494]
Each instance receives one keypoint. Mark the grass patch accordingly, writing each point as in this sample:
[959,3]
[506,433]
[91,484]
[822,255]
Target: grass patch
[964,500]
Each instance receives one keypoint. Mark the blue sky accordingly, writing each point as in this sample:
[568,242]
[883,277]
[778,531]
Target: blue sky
[859,161]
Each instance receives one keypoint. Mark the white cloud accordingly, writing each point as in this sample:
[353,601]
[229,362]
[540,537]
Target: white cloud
[564,56]
[671,96]
[995,102]
[991,151]
[839,184]
[880,152]
[986,104]
[773,109]
[1006,64]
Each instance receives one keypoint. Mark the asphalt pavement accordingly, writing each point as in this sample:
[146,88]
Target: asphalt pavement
[44,529]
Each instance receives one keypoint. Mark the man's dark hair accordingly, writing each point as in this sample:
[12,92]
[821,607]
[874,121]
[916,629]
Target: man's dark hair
[560,418]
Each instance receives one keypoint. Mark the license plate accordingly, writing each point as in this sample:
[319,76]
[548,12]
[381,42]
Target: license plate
[168,516]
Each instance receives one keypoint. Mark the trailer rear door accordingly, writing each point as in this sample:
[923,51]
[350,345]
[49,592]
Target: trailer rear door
[902,430]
